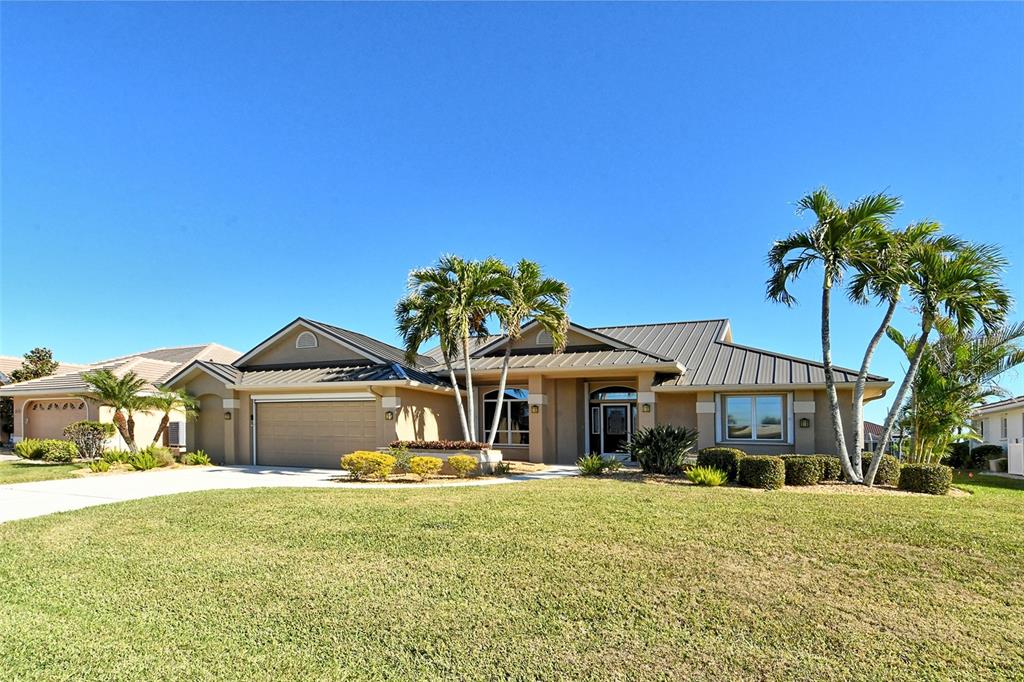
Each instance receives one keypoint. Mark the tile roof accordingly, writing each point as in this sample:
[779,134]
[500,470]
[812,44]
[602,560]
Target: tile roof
[9,363]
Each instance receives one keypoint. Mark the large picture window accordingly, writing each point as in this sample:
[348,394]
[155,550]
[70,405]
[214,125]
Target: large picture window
[514,422]
[754,417]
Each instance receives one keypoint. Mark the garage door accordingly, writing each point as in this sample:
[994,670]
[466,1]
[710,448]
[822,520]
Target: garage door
[47,418]
[313,434]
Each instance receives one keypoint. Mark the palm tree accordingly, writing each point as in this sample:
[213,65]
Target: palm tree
[526,294]
[168,400]
[121,393]
[839,237]
[966,285]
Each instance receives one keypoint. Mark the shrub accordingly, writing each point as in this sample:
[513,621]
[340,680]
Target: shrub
[595,465]
[958,455]
[723,459]
[55,450]
[161,455]
[933,479]
[888,470]
[500,468]
[803,469]
[831,468]
[425,467]
[704,475]
[89,436]
[438,444]
[464,465]
[29,448]
[661,449]
[197,458]
[402,456]
[364,464]
[99,466]
[983,453]
[762,472]
[141,461]
[116,456]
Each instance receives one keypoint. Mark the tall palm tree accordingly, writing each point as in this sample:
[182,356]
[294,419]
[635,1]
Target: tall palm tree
[525,294]
[124,394]
[840,236]
[966,285]
[167,400]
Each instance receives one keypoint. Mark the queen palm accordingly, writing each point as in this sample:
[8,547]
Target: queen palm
[524,295]
[123,393]
[840,236]
[167,400]
[965,284]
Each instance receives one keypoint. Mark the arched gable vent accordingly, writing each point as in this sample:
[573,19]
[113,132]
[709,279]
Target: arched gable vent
[544,338]
[306,340]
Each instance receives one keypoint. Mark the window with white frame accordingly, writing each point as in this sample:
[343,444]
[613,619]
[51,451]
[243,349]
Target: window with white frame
[514,420]
[754,417]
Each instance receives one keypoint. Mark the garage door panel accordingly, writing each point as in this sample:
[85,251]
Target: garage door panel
[313,434]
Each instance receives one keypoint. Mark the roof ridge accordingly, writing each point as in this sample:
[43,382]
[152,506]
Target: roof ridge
[662,324]
[126,356]
[818,363]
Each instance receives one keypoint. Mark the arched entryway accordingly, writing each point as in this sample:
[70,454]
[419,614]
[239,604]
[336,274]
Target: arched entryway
[613,415]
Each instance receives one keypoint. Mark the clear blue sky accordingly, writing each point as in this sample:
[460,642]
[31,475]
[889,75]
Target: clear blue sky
[183,173]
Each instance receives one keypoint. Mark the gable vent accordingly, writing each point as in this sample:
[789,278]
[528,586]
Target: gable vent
[306,340]
[544,338]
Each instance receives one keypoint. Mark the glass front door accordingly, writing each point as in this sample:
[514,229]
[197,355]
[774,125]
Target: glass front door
[615,428]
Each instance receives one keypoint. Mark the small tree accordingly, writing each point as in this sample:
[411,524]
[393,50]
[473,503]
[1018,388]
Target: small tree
[124,394]
[37,363]
[89,437]
[168,400]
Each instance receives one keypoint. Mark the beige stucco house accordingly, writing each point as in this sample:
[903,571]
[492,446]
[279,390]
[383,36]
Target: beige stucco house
[312,392]
[44,406]
[8,365]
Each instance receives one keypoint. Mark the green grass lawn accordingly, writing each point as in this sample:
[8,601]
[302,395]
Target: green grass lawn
[24,472]
[569,579]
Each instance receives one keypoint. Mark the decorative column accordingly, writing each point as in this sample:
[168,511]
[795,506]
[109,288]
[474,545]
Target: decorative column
[706,415]
[646,401]
[803,423]
[538,403]
[231,424]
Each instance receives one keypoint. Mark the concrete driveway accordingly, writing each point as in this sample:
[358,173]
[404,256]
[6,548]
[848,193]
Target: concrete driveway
[25,500]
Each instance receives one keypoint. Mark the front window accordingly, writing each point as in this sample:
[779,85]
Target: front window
[1002,428]
[754,417]
[514,420]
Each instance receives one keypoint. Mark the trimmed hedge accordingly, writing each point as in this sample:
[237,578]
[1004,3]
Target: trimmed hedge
[463,465]
[63,451]
[803,469]
[438,444]
[363,464]
[933,479]
[888,470]
[768,473]
[723,459]
[831,468]
[425,467]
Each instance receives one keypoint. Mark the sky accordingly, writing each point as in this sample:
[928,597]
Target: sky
[186,173]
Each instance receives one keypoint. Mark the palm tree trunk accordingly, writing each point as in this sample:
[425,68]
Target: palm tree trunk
[163,427]
[471,412]
[501,396]
[890,419]
[458,396]
[122,426]
[830,385]
[862,377]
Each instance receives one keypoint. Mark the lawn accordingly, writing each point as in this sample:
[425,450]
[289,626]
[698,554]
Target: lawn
[24,472]
[568,579]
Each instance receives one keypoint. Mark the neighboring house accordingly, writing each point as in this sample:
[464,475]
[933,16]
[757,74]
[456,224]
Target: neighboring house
[312,392]
[1002,423]
[9,363]
[873,437]
[44,406]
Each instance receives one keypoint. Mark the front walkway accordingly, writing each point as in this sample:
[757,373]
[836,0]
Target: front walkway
[25,500]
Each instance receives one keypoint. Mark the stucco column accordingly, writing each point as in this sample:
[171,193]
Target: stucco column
[231,426]
[387,429]
[803,411]
[539,408]
[705,419]
[646,401]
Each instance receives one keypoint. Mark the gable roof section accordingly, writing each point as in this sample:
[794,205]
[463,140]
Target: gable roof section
[498,341]
[1000,405]
[373,350]
[383,350]
[279,377]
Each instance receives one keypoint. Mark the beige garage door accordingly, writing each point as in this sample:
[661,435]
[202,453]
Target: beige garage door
[314,434]
[47,418]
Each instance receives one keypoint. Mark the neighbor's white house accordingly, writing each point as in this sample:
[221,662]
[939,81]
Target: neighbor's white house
[1002,424]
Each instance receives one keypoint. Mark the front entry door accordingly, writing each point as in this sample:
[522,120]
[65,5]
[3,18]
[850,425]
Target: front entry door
[614,428]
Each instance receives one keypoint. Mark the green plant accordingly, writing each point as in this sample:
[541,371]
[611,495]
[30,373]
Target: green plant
[464,465]
[705,475]
[723,459]
[197,458]
[29,448]
[500,468]
[115,456]
[89,436]
[364,464]
[888,469]
[803,469]
[124,394]
[983,453]
[161,455]
[425,467]
[662,449]
[933,479]
[438,444]
[55,450]
[400,451]
[831,468]
[591,465]
[142,461]
[167,400]
[762,472]
[99,466]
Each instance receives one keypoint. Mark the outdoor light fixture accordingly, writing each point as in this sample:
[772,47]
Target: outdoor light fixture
[227,416]
[534,409]
[804,422]
[646,407]
[389,415]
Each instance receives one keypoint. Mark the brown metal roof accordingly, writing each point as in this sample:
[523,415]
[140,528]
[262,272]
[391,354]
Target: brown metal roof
[333,375]
[569,360]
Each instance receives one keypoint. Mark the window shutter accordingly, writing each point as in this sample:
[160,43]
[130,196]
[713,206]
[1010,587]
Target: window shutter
[176,434]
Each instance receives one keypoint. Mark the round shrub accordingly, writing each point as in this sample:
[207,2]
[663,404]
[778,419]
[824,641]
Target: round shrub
[161,455]
[888,470]
[462,465]
[762,472]
[364,464]
[933,479]
[89,436]
[63,451]
[723,459]
[425,467]
[983,453]
[831,468]
[803,469]
[29,448]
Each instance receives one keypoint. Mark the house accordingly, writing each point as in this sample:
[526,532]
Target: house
[10,363]
[44,406]
[313,391]
[1002,423]
[873,437]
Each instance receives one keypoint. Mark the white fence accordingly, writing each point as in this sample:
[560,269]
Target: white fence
[1015,458]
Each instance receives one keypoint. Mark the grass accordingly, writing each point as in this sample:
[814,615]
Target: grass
[25,472]
[569,579]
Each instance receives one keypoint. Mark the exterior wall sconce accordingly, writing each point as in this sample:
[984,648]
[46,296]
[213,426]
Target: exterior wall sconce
[804,422]
[534,409]
[389,416]
[646,407]
[227,416]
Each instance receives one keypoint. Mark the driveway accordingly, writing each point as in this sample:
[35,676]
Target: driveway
[25,500]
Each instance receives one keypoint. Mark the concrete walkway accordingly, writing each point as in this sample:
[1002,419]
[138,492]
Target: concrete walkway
[25,500]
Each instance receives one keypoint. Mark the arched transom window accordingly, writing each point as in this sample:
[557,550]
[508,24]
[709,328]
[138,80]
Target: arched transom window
[514,422]
[621,393]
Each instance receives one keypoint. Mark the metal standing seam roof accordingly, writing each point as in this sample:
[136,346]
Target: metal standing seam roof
[382,350]
[332,375]
[591,358]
